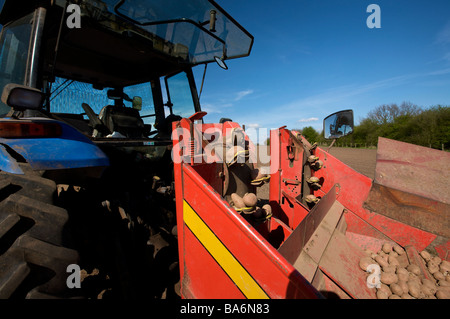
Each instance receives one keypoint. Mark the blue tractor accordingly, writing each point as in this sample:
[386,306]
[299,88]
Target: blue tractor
[90,89]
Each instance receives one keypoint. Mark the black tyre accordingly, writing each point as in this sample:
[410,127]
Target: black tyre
[33,259]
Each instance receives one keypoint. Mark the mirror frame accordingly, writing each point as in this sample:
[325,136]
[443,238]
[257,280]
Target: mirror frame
[339,114]
[221,62]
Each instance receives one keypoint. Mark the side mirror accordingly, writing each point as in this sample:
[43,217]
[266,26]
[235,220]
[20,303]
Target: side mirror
[338,124]
[221,62]
[21,97]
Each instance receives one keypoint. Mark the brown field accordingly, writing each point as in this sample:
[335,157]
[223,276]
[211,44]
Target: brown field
[361,160]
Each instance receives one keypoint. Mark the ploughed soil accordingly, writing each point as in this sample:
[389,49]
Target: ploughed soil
[361,160]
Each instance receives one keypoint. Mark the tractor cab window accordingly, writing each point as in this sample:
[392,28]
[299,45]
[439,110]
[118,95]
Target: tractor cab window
[67,96]
[144,91]
[179,96]
[79,103]
[14,44]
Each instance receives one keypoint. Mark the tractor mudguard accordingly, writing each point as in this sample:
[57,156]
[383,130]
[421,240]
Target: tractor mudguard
[8,163]
[69,150]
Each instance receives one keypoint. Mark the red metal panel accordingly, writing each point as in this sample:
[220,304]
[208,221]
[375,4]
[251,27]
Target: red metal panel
[354,189]
[275,172]
[286,179]
[270,270]
[443,250]
[413,169]
[203,278]
[338,262]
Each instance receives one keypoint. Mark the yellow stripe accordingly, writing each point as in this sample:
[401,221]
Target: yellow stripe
[248,286]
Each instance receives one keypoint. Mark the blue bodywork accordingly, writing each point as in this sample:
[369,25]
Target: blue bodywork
[70,150]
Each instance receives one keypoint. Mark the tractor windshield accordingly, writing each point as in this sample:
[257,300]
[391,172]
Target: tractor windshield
[198,30]
[14,43]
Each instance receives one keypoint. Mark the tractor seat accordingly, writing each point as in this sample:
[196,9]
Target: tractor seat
[124,120]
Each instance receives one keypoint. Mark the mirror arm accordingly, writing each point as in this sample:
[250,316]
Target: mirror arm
[331,145]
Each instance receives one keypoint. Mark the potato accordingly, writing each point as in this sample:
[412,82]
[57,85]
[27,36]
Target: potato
[393,261]
[268,209]
[399,250]
[444,283]
[430,297]
[390,269]
[250,200]
[381,261]
[432,267]
[382,295]
[383,254]
[402,274]
[386,248]
[425,255]
[364,262]
[447,278]
[414,278]
[385,289]
[237,200]
[407,296]
[368,252]
[436,260]
[404,285]
[428,282]
[397,289]
[438,275]
[393,254]
[444,267]
[428,290]
[443,288]
[414,289]
[414,269]
[388,278]
[441,294]
[394,297]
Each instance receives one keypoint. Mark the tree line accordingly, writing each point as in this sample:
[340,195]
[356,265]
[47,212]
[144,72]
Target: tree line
[406,122]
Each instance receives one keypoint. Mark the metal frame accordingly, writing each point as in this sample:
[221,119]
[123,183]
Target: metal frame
[37,31]
[197,24]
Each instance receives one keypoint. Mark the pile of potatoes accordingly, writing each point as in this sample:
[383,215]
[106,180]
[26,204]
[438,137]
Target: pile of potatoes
[405,280]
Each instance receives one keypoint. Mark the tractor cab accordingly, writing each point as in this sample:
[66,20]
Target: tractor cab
[118,71]
[91,91]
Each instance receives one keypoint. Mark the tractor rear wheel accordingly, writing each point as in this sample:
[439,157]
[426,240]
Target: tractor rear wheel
[33,256]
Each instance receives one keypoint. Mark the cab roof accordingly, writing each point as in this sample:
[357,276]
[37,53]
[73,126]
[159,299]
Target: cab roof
[124,42]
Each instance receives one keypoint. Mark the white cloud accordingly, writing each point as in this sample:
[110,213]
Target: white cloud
[443,71]
[443,37]
[215,108]
[242,94]
[344,93]
[253,125]
[311,119]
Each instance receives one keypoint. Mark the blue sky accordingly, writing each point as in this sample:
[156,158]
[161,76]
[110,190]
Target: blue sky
[311,58]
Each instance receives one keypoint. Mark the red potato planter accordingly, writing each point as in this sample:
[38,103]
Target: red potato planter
[317,240]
